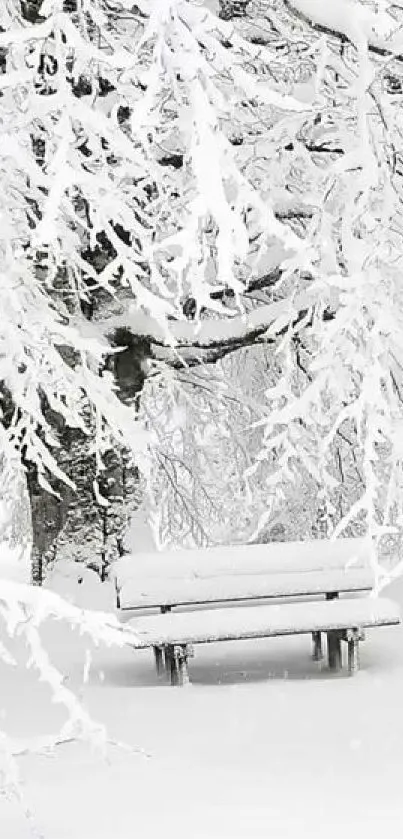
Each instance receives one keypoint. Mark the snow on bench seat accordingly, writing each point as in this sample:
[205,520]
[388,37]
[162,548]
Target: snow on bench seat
[142,593]
[263,621]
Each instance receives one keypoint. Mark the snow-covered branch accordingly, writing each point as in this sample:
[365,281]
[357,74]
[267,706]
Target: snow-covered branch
[354,22]
[218,336]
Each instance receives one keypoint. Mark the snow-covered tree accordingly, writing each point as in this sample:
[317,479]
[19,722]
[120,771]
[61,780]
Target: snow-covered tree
[333,412]
[161,168]
[99,204]
[187,187]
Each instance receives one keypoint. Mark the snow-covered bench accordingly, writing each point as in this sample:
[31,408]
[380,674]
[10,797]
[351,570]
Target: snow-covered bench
[282,574]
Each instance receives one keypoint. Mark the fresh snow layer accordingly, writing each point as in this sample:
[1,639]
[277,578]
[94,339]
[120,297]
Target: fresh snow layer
[266,744]
[264,621]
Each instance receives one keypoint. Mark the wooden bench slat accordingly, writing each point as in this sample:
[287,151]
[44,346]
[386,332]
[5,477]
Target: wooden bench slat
[275,558]
[149,593]
[263,621]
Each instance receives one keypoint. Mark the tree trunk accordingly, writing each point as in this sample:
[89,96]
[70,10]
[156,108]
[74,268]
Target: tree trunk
[75,526]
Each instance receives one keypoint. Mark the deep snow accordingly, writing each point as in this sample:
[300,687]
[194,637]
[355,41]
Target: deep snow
[264,743]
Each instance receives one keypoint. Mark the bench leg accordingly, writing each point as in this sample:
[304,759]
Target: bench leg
[159,662]
[166,654]
[174,666]
[353,656]
[181,655]
[317,653]
[334,650]
[170,664]
[176,663]
[353,638]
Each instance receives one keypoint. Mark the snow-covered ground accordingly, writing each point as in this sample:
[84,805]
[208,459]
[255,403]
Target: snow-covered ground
[264,743]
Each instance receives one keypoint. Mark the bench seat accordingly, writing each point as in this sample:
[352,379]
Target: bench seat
[264,621]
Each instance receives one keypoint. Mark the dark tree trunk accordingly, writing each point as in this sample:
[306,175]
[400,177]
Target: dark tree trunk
[74,523]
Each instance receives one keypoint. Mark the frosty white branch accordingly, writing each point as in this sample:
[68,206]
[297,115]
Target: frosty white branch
[182,340]
[351,22]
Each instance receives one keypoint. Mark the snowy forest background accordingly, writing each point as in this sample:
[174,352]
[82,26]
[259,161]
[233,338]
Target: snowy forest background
[200,274]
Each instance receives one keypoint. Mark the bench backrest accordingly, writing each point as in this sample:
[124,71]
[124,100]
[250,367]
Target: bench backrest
[243,572]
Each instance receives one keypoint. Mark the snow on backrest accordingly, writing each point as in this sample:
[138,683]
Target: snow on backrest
[275,558]
[154,592]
